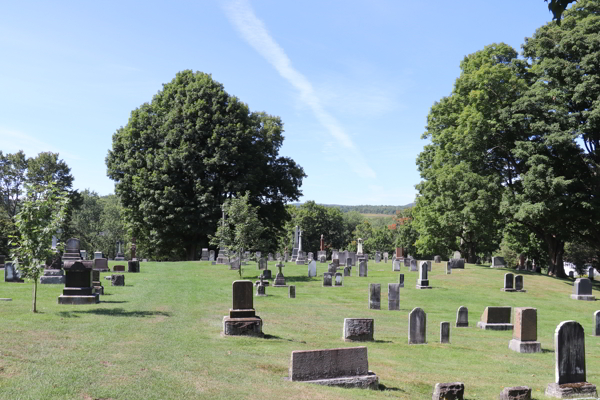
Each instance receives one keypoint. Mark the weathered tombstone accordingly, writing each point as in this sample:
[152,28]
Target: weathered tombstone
[347,271]
[413,265]
[396,265]
[498,262]
[83,254]
[385,256]
[525,332]
[393,296]
[597,323]
[423,281]
[377,257]
[332,268]
[312,269]
[133,266]
[347,367]
[72,250]
[444,332]
[98,288]
[516,393]
[98,254]
[292,292]
[496,319]
[279,278]
[582,290]
[261,281]
[456,263]
[117,280]
[267,274]
[519,284]
[362,268]
[101,264]
[569,354]
[327,279]
[211,255]
[119,268]
[437,259]
[242,319]
[348,261]
[417,326]
[11,273]
[406,262]
[359,329]
[322,255]
[448,268]
[591,273]
[204,255]
[457,255]
[53,276]
[78,284]
[462,317]
[339,279]
[261,291]
[508,283]
[375,296]
[262,263]
[449,391]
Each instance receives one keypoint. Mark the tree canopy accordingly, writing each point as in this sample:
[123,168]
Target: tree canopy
[182,155]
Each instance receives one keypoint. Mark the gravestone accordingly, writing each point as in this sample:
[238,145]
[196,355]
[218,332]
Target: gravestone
[53,276]
[312,269]
[349,262]
[508,283]
[347,271]
[375,296]
[118,268]
[519,284]
[359,329]
[406,262]
[83,254]
[101,264]
[78,284]
[98,254]
[242,319]
[327,279]
[516,393]
[448,268]
[279,278]
[437,259]
[401,280]
[417,326]
[310,256]
[270,257]
[444,332]
[223,256]
[346,367]
[338,279]
[204,255]
[262,281]
[362,268]
[211,255]
[423,281]
[457,255]
[332,268]
[525,332]
[591,273]
[292,292]
[262,263]
[11,273]
[322,256]
[267,274]
[117,280]
[428,264]
[456,263]
[120,255]
[71,250]
[413,265]
[261,290]
[393,296]
[597,323]
[498,262]
[385,256]
[258,254]
[396,265]
[569,356]
[496,319]
[449,391]
[582,290]
[98,288]
[377,257]
[462,317]
[133,266]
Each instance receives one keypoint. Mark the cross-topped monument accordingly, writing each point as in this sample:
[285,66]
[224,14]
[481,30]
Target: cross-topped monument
[279,278]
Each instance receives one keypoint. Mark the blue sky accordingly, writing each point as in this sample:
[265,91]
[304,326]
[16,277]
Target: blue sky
[352,81]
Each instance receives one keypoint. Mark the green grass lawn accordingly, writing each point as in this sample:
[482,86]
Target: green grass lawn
[159,337]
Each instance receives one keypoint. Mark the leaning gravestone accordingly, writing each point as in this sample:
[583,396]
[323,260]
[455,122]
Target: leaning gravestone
[362,268]
[508,283]
[78,284]
[582,290]
[456,263]
[498,262]
[462,317]
[359,329]
[423,281]
[312,269]
[346,367]
[393,296]
[525,332]
[569,355]
[496,319]
[242,319]
[417,327]
[444,332]
[375,296]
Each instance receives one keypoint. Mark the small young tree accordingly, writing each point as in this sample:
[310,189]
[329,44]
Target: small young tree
[39,217]
[241,228]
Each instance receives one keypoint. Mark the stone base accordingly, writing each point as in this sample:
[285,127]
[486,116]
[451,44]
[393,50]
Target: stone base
[251,326]
[525,346]
[93,299]
[508,290]
[265,283]
[280,285]
[300,262]
[582,390]
[370,381]
[495,327]
[583,297]
[423,287]
[52,280]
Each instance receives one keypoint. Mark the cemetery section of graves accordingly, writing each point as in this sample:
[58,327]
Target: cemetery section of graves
[159,336]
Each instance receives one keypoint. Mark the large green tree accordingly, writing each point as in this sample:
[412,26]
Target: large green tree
[182,155]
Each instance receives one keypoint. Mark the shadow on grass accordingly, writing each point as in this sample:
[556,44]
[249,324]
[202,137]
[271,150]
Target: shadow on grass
[114,312]
[274,337]
[382,387]
[113,301]
[383,341]
[547,351]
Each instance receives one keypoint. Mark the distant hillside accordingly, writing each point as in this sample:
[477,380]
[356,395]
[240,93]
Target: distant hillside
[366,209]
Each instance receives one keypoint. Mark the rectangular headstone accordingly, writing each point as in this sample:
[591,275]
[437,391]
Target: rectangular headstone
[444,332]
[375,296]
[359,329]
[401,280]
[309,365]
[327,279]
[569,353]
[525,324]
[462,317]
[362,268]
[417,326]
[393,296]
[312,269]
[242,295]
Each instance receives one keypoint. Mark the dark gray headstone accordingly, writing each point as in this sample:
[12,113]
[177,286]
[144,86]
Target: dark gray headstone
[444,332]
[582,286]
[597,323]
[462,317]
[393,296]
[401,280]
[519,282]
[417,326]
[375,296]
[292,292]
[569,348]
[117,280]
[456,263]
[449,391]
[509,281]
[242,295]
[327,279]
[362,268]
[347,271]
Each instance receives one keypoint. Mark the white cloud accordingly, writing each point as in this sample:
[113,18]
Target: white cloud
[255,33]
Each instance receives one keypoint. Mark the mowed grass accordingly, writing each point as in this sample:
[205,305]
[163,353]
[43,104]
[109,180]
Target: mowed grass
[159,337]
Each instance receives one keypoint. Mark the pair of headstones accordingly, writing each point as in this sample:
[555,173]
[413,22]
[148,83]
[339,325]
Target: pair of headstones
[393,296]
[513,283]
[328,279]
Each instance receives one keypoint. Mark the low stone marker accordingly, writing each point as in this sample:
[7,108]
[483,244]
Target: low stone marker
[119,268]
[393,296]
[312,269]
[101,264]
[375,296]
[261,291]
[359,329]
[449,391]
[292,292]
[516,393]
[346,367]
[496,319]
[525,332]
[444,332]
[401,280]
[437,259]
[519,284]
[582,290]
[133,266]
[362,268]
[509,280]
[423,281]
[597,323]
[569,355]
[267,274]
[456,263]
[462,317]
[242,319]
[117,280]
[417,326]
[338,279]
[53,276]
[327,278]
[498,262]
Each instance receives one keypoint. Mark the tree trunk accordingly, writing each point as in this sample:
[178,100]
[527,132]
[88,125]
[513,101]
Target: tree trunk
[556,250]
[35,295]
[190,251]
[471,255]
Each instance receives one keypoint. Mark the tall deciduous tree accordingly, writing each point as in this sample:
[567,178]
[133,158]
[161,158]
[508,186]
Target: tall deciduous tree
[182,155]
